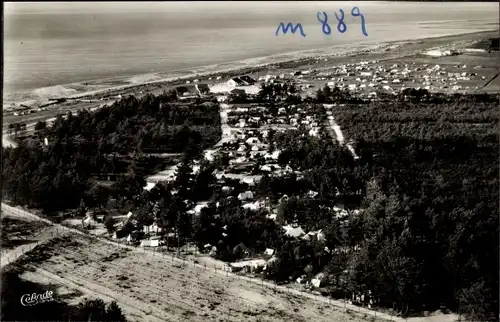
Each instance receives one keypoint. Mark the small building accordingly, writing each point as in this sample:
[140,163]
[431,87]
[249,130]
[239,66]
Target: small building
[236,81]
[238,91]
[150,243]
[253,141]
[293,231]
[247,195]
[269,252]
[247,79]
[203,88]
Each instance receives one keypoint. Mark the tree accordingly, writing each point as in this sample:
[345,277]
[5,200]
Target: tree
[10,129]
[114,313]
[91,310]
[109,223]
[40,126]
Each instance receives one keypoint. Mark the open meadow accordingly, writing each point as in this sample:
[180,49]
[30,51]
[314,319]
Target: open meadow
[158,288]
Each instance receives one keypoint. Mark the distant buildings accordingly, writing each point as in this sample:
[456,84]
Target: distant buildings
[241,81]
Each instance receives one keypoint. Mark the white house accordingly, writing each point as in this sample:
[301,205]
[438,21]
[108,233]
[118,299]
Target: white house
[273,155]
[253,141]
[269,252]
[293,231]
[316,281]
[247,195]
[251,205]
[266,168]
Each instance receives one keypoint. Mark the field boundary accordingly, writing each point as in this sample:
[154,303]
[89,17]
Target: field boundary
[62,230]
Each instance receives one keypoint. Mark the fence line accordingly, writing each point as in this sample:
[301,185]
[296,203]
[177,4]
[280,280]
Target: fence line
[286,289]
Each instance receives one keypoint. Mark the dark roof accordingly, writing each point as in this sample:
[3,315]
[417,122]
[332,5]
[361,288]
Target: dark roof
[238,80]
[238,91]
[182,89]
[187,89]
[247,79]
[203,88]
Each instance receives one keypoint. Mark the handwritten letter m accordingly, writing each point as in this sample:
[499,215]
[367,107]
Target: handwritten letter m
[291,27]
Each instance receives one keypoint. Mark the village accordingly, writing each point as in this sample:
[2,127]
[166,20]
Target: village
[249,153]
[208,194]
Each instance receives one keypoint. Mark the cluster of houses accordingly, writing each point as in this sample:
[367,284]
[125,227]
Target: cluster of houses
[192,91]
[367,78]
[287,117]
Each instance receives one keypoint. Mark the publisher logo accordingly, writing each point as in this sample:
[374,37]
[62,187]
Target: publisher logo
[34,299]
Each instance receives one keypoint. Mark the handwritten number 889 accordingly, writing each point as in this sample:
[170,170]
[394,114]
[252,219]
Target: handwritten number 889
[341,26]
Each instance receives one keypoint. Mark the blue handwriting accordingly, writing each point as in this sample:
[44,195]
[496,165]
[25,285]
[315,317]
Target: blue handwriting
[325,27]
[292,27]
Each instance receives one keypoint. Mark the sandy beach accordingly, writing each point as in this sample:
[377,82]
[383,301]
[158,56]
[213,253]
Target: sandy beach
[103,87]
[93,94]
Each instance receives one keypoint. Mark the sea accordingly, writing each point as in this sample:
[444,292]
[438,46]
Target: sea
[49,46]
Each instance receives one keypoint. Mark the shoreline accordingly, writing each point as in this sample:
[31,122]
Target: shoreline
[183,75]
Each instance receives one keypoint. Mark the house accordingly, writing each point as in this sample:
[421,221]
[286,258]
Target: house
[221,98]
[241,249]
[236,81]
[266,168]
[198,208]
[238,91]
[251,205]
[150,243]
[272,216]
[185,91]
[253,141]
[312,194]
[247,79]
[316,281]
[269,252]
[247,195]
[314,236]
[249,266]
[293,231]
[203,88]
[152,229]
[273,156]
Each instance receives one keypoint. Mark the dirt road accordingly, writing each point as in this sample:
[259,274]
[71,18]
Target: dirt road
[334,129]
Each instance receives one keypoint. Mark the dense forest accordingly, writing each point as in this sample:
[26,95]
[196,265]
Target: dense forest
[430,219]
[422,226]
[115,139]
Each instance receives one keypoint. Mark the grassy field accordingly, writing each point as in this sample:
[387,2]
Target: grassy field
[17,231]
[156,288]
